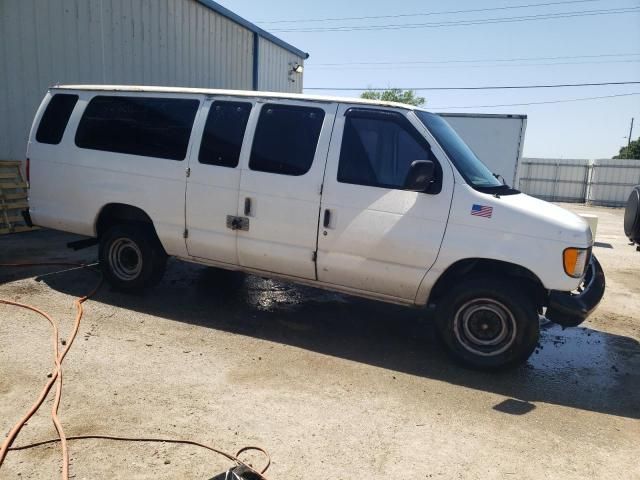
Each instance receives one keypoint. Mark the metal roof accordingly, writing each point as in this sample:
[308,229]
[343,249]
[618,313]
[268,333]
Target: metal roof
[240,93]
[225,12]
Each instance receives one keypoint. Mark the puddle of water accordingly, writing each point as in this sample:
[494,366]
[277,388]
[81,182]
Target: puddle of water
[272,295]
[598,357]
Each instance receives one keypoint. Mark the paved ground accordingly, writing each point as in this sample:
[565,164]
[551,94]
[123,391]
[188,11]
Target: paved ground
[332,386]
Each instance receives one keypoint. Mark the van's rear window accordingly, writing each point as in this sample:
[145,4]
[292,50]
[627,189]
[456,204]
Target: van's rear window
[146,126]
[55,118]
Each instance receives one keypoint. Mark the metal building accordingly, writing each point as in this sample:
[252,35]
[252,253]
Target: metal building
[196,43]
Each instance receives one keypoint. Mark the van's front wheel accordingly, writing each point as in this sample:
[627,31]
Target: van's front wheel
[488,323]
[131,258]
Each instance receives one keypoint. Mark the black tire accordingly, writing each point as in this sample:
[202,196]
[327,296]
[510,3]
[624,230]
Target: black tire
[488,323]
[131,257]
[632,216]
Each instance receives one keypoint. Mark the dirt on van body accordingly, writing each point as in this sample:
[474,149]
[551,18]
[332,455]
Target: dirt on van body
[332,386]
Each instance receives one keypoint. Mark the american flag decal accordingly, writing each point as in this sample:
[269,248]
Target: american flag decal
[481,210]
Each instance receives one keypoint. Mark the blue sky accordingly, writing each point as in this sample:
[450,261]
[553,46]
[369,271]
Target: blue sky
[586,129]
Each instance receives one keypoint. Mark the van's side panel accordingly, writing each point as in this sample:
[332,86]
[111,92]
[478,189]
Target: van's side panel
[56,195]
[71,185]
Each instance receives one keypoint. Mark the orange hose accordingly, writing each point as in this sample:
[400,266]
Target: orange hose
[56,378]
[13,433]
[161,440]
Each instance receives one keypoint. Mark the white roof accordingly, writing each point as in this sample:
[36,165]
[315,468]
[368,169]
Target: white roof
[242,93]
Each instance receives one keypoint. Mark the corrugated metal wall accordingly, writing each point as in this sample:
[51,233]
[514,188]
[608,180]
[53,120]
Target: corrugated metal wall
[274,60]
[555,180]
[612,181]
[599,182]
[147,42]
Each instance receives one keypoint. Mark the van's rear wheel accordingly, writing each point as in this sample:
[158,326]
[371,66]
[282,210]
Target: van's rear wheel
[131,257]
[488,323]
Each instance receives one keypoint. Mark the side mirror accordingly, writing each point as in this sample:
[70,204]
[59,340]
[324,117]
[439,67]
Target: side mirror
[421,175]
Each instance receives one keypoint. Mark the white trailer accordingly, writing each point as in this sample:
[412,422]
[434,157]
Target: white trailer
[496,139]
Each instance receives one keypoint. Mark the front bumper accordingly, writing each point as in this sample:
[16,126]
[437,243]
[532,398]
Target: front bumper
[570,309]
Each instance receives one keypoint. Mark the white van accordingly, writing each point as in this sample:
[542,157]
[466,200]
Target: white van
[375,199]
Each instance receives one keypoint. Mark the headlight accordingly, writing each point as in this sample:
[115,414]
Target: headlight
[575,261]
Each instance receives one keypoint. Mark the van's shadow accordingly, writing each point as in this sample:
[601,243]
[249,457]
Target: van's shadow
[579,368]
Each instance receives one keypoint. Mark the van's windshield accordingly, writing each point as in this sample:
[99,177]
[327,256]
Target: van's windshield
[466,162]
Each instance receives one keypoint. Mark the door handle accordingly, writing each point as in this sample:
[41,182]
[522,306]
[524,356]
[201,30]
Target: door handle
[326,221]
[247,206]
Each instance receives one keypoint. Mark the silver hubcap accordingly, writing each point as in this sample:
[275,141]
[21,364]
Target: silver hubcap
[125,259]
[485,327]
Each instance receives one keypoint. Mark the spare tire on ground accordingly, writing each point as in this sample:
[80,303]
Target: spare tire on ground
[632,216]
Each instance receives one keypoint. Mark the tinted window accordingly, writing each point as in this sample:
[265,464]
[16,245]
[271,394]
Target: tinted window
[223,133]
[378,149]
[286,138]
[152,127]
[55,118]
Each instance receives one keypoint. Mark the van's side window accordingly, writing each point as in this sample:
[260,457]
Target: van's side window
[286,138]
[378,149]
[55,118]
[223,133]
[147,126]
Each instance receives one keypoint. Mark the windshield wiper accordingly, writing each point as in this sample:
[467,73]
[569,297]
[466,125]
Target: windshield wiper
[500,177]
[498,190]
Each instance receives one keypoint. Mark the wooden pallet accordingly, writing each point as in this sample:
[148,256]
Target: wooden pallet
[13,198]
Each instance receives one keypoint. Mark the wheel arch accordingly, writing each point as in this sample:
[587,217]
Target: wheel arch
[119,213]
[472,267]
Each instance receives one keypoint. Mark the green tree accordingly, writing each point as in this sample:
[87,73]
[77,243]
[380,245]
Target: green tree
[631,152]
[394,95]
